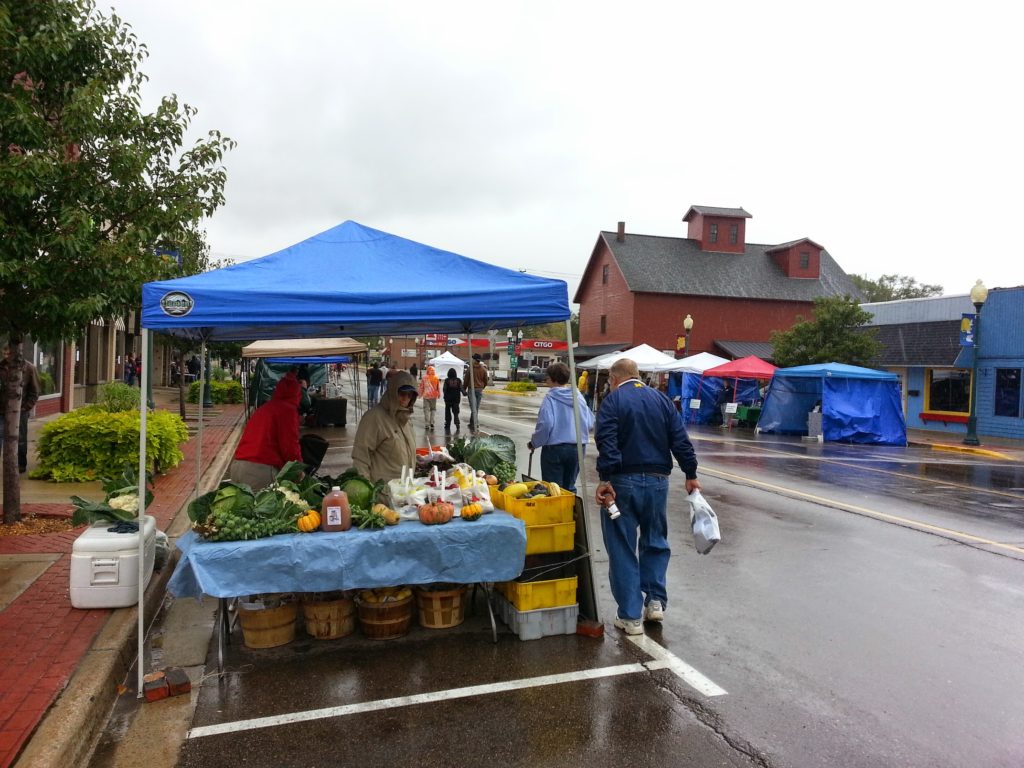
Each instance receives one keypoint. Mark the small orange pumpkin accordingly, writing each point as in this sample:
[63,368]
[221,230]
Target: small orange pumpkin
[437,513]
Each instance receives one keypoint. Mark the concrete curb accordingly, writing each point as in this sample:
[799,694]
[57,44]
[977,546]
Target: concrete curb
[69,733]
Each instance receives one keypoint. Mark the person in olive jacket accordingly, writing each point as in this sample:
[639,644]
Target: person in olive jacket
[385,441]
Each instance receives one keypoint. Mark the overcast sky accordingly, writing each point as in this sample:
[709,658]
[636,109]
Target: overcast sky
[888,132]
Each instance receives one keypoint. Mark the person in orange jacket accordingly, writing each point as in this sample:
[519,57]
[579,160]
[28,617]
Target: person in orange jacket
[430,391]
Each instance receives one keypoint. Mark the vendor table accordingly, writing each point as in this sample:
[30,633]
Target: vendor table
[490,549]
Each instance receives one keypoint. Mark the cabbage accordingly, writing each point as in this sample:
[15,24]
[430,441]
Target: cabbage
[359,491]
[487,452]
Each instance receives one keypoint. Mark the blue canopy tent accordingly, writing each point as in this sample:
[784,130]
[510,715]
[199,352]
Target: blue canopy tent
[348,280]
[858,405]
[351,279]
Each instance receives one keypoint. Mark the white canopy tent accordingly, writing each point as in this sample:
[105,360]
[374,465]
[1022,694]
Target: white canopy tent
[646,357]
[695,364]
[447,358]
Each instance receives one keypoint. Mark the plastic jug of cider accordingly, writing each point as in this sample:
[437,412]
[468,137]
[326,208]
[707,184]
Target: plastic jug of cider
[334,513]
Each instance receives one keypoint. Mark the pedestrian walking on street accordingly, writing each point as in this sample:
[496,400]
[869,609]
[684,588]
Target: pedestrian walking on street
[129,370]
[452,398]
[480,379]
[374,379]
[555,433]
[430,390]
[638,432]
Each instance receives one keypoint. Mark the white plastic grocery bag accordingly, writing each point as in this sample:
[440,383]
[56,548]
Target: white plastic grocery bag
[704,522]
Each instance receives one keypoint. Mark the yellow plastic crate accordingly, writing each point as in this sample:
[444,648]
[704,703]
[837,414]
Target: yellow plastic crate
[550,538]
[532,595]
[544,510]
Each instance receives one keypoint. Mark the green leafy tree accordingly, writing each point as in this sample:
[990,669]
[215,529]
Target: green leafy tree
[893,287]
[835,334]
[91,186]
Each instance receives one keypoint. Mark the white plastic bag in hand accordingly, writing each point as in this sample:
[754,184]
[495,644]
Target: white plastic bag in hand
[704,522]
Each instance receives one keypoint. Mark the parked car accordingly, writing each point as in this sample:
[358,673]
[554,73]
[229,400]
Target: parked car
[537,374]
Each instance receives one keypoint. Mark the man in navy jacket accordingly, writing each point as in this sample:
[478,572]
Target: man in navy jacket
[638,433]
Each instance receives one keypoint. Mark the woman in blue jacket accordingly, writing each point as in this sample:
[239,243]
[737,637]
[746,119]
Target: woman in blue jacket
[555,433]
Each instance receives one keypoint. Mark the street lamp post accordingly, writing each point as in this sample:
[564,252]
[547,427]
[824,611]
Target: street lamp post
[687,327]
[979,294]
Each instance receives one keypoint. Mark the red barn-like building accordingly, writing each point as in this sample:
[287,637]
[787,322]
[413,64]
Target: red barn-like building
[639,288]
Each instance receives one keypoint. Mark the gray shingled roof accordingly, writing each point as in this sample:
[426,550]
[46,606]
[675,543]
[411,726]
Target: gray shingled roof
[934,344]
[738,349]
[708,210]
[677,265]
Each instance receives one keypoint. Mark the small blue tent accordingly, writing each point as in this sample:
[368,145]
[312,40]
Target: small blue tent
[858,405]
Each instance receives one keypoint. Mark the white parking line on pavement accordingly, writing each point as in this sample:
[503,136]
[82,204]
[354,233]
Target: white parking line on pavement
[665,659]
[419,698]
[662,659]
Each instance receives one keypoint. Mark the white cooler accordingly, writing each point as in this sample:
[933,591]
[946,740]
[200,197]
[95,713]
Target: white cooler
[105,566]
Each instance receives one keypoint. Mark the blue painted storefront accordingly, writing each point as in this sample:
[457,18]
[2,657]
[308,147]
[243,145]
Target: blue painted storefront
[1002,347]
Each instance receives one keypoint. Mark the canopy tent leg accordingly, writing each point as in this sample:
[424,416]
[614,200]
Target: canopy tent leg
[199,434]
[143,412]
[474,416]
[587,594]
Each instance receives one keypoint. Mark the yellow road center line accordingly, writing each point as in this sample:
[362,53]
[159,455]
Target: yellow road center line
[863,510]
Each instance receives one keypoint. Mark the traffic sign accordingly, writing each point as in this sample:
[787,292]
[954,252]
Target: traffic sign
[513,362]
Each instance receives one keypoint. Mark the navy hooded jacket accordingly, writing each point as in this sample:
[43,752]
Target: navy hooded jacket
[639,430]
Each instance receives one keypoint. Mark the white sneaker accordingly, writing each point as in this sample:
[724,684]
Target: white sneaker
[654,611]
[630,626]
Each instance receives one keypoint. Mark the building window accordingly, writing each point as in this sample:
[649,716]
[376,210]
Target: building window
[734,234]
[47,360]
[604,274]
[805,260]
[713,233]
[604,323]
[1008,392]
[948,391]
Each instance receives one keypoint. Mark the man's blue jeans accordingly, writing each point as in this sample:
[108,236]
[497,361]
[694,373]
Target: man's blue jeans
[560,464]
[372,394]
[637,566]
[474,407]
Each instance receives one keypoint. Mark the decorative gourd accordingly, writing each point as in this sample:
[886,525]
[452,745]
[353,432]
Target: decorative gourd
[309,522]
[472,512]
[437,513]
[391,517]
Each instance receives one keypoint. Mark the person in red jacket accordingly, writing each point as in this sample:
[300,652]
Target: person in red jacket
[271,438]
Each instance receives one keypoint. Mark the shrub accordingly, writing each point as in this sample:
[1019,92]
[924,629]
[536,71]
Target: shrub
[220,392]
[521,386]
[118,396]
[220,374]
[90,443]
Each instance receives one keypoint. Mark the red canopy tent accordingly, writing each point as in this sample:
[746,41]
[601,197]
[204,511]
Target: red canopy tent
[749,367]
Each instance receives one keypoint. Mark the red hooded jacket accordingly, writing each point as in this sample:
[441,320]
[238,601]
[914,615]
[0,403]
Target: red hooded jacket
[272,434]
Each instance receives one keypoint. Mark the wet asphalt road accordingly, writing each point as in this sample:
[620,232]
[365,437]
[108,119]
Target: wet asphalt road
[865,608]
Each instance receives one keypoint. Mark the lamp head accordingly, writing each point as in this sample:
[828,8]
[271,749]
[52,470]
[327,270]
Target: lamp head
[979,294]
[688,324]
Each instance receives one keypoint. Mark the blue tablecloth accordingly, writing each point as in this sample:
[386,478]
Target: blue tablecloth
[490,549]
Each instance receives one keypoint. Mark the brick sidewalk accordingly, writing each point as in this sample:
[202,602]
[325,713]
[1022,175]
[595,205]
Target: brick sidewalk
[42,638]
